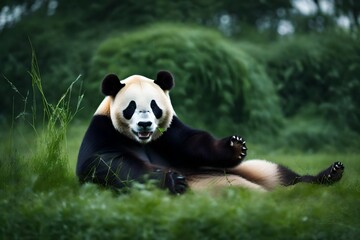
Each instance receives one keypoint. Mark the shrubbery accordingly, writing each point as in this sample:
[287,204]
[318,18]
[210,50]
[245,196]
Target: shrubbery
[317,80]
[218,86]
[321,71]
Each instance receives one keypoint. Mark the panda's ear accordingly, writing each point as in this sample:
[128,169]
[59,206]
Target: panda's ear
[165,80]
[111,85]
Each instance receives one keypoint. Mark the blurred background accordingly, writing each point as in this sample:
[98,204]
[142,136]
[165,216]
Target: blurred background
[282,72]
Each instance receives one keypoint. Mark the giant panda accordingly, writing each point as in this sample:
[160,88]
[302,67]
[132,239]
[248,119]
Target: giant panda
[135,136]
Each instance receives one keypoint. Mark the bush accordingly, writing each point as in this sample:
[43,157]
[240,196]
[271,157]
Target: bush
[219,87]
[312,135]
[322,71]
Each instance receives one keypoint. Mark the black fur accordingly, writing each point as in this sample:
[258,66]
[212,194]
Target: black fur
[165,80]
[111,159]
[108,158]
[328,176]
[129,111]
[184,147]
[156,110]
[111,85]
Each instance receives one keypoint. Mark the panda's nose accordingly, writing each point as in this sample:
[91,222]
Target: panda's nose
[144,124]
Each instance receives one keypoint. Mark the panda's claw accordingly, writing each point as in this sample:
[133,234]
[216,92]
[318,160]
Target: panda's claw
[339,165]
[332,174]
[239,145]
[175,182]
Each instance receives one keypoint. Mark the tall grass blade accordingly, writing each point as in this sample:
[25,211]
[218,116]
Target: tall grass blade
[48,166]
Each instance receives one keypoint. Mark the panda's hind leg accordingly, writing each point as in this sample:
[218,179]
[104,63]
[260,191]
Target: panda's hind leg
[328,176]
[261,172]
[218,180]
[270,175]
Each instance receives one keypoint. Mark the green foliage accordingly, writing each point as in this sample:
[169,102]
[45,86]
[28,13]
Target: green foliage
[11,164]
[217,84]
[66,39]
[313,134]
[317,70]
[61,56]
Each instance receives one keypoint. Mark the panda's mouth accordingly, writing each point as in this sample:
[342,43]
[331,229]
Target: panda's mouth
[144,135]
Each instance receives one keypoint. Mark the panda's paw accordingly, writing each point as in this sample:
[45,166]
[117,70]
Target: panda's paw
[333,173]
[175,182]
[239,145]
[336,171]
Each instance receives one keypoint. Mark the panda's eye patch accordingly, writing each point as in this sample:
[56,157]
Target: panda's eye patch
[156,110]
[129,110]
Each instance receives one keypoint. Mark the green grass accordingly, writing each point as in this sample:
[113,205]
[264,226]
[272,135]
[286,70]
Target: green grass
[302,212]
[69,211]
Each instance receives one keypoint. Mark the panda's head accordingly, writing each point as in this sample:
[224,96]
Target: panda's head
[140,108]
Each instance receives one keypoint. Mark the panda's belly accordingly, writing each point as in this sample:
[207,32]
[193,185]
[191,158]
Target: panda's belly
[148,155]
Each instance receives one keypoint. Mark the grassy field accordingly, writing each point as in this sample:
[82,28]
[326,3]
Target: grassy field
[39,203]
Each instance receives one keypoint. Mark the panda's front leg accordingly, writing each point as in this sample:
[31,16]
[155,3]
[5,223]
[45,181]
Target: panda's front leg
[203,150]
[231,150]
[238,144]
[169,179]
[175,182]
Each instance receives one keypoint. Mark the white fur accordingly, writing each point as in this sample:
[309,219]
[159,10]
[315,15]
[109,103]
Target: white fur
[104,107]
[204,182]
[142,90]
[261,172]
[260,175]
